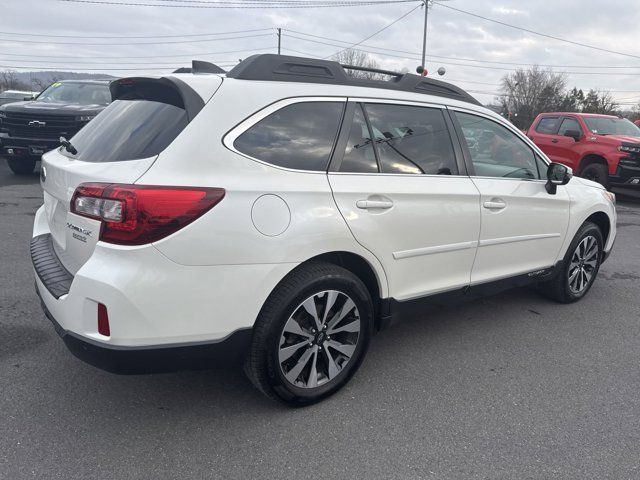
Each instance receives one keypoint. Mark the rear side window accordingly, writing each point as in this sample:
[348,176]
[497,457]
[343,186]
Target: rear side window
[548,125]
[298,136]
[359,156]
[411,139]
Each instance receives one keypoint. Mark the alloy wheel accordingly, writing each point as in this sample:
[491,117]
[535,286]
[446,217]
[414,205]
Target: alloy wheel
[319,339]
[584,263]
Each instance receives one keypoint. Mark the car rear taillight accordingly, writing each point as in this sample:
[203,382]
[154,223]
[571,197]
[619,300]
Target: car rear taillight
[103,321]
[139,214]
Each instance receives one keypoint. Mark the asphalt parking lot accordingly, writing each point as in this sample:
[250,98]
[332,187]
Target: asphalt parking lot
[509,387]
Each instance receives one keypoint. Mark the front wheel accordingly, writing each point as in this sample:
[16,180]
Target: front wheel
[311,335]
[579,267]
[596,172]
[21,165]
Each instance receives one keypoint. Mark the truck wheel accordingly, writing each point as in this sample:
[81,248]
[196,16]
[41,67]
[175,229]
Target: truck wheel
[596,172]
[21,165]
[579,267]
[311,334]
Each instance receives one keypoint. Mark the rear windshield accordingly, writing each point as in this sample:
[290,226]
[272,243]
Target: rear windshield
[129,130]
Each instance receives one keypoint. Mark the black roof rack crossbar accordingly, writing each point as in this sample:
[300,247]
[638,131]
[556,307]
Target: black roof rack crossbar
[372,70]
[284,68]
[198,66]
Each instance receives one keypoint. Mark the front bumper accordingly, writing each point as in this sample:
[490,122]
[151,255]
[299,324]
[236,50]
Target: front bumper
[229,351]
[26,147]
[626,176]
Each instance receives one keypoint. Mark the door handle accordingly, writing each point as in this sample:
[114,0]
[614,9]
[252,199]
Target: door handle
[555,140]
[494,204]
[373,204]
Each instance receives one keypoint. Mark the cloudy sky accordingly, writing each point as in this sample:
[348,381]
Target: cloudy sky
[130,39]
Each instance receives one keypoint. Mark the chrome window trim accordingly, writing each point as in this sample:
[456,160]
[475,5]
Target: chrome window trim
[231,136]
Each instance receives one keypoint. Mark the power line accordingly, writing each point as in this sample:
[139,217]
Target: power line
[376,32]
[125,36]
[191,55]
[553,37]
[459,64]
[462,58]
[10,40]
[261,5]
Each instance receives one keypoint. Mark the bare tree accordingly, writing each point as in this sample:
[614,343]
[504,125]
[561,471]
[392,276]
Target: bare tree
[600,102]
[356,58]
[525,93]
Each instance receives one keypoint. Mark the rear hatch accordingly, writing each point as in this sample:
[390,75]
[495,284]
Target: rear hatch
[118,146]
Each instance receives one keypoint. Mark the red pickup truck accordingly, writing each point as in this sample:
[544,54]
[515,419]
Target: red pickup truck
[602,148]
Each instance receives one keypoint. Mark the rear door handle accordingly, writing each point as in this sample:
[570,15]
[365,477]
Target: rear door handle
[555,140]
[373,204]
[494,204]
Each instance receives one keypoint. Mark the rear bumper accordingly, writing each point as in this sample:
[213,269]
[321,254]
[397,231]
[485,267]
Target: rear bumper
[228,351]
[26,147]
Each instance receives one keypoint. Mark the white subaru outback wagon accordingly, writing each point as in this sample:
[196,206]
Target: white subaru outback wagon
[284,211]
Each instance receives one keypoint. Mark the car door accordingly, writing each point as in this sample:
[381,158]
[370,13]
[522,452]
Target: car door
[399,182]
[545,135]
[565,147]
[523,226]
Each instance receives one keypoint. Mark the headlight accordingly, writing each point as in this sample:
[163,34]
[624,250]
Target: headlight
[629,148]
[85,118]
[609,196]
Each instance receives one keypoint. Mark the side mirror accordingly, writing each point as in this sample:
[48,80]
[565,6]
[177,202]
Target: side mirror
[557,174]
[575,134]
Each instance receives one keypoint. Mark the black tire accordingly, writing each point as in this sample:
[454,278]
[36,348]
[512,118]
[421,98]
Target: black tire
[21,165]
[559,289]
[263,365]
[596,172]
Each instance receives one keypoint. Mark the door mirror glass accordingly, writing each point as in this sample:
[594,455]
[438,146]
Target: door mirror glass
[575,134]
[557,174]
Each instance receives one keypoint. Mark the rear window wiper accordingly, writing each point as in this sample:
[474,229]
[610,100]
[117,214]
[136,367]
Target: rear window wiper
[67,146]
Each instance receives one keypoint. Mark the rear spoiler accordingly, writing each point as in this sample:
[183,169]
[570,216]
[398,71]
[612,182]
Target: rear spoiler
[172,91]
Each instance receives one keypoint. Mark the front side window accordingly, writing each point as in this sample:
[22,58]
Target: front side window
[411,139]
[495,150]
[548,125]
[569,124]
[298,136]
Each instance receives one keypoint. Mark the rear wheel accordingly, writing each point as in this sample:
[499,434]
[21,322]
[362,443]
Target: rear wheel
[311,335]
[579,267]
[21,165]
[596,172]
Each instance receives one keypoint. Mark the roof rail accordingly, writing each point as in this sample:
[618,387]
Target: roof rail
[198,66]
[284,68]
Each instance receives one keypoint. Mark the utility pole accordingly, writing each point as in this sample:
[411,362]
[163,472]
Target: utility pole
[279,39]
[424,38]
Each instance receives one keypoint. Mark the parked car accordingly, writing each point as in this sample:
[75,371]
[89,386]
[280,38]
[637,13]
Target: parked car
[11,96]
[602,148]
[285,211]
[30,128]
[637,123]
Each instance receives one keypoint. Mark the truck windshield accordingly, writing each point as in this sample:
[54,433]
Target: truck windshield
[76,93]
[612,126]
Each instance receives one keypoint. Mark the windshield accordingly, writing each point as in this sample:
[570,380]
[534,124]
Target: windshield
[76,93]
[612,126]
